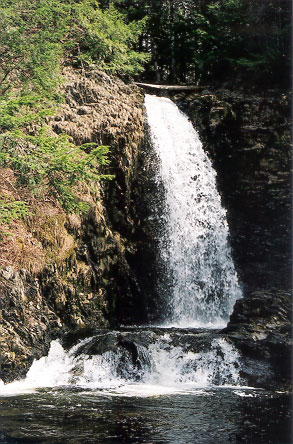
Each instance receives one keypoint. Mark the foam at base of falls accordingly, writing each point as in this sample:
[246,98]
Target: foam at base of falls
[217,323]
[198,282]
[160,368]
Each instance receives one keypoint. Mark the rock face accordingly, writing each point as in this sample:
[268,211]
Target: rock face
[87,286]
[248,139]
[27,322]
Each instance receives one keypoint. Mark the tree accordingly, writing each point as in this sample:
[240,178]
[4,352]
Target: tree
[214,41]
[37,38]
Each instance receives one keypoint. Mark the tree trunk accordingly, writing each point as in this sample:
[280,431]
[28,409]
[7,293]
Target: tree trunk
[172,62]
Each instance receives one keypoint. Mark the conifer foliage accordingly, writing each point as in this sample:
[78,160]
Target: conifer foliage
[37,38]
[237,42]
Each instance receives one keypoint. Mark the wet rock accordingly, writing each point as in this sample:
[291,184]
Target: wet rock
[127,351]
[260,328]
[87,286]
[248,140]
[27,323]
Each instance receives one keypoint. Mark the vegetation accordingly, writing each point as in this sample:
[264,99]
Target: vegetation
[242,42]
[53,166]
[37,38]
[12,210]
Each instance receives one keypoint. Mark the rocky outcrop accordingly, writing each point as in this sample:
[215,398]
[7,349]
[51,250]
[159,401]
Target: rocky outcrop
[248,140]
[27,322]
[260,326]
[86,277]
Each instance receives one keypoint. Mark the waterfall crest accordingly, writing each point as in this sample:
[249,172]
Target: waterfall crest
[201,280]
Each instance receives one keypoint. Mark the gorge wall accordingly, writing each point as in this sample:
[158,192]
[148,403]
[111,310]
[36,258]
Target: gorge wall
[248,139]
[72,271]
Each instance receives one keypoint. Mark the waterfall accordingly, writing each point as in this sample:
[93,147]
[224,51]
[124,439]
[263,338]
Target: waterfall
[200,280]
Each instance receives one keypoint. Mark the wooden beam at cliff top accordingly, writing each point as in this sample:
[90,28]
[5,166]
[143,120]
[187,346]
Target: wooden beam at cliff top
[170,87]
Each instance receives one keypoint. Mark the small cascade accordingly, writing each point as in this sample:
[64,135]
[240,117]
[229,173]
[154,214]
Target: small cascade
[200,285]
[162,363]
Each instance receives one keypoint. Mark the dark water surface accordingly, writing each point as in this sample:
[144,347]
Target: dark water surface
[208,416]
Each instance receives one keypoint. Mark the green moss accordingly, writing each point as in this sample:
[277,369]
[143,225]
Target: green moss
[57,243]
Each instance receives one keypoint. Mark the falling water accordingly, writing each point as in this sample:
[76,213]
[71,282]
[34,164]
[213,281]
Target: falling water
[201,279]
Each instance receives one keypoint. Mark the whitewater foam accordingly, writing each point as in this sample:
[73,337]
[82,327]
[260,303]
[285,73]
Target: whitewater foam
[165,369]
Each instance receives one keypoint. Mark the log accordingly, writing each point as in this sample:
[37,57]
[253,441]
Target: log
[170,87]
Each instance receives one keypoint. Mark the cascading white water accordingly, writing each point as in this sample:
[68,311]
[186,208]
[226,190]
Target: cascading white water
[194,246]
[165,368]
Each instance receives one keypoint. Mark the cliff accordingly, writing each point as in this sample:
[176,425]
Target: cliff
[61,271]
[248,139]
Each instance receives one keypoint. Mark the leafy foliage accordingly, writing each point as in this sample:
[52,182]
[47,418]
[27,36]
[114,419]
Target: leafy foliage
[103,38]
[23,111]
[36,34]
[12,210]
[30,42]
